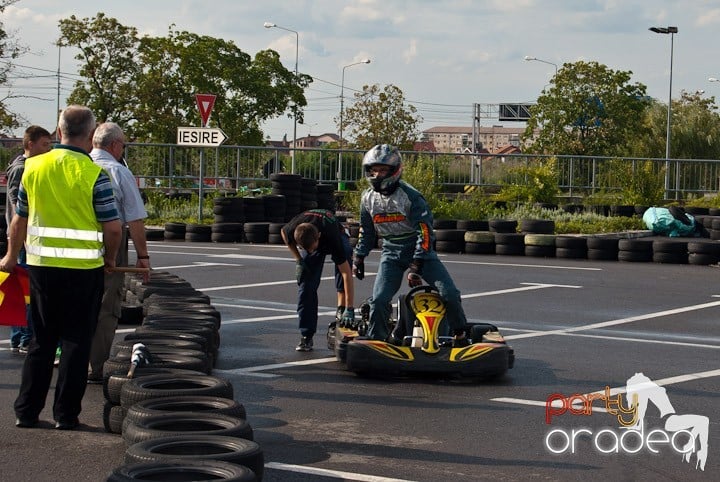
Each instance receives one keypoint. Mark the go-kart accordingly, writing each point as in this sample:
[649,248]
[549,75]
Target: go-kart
[416,345]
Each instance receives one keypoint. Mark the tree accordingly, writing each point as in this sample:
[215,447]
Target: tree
[695,129]
[589,109]
[381,117]
[148,84]
[10,49]
[107,53]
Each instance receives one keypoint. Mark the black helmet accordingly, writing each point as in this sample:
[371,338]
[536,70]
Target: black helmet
[383,155]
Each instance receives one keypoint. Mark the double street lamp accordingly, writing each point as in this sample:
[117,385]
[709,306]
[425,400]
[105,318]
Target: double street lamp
[672,31]
[342,104]
[297,45]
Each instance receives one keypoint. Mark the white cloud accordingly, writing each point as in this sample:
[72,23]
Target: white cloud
[411,52]
[711,17]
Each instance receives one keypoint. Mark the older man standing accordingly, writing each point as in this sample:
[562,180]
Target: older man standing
[108,146]
[66,215]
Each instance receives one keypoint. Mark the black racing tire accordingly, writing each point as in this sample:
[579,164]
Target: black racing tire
[116,364]
[126,346]
[635,256]
[165,353]
[114,381]
[196,447]
[540,240]
[186,403]
[210,335]
[199,237]
[182,423]
[510,239]
[704,247]
[444,224]
[226,237]
[154,234]
[636,244]
[503,225]
[602,254]
[701,259]
[537,226]
[113,416]
[479,237]
[198,228]
[602,243]
[450,246]
[149,337]
[190,469]
[540,251]
[180,307]
[670,258]
[510,249]
[449,235]
[674,247]
[178,228]
[571,253]
[173,385]
[479,248]
[571,242]
[183,316]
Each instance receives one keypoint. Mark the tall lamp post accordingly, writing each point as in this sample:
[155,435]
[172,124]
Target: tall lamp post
[529,58]
[297,49]
[342,104]
[672,31]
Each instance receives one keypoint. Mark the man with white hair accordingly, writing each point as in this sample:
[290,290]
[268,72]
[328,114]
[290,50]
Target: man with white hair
[108,148]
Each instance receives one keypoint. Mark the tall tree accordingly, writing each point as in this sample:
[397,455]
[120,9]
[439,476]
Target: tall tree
[381,117]
[589,109]
[107,52]
[249,91]
[10,49]
[148,84]
[694,129]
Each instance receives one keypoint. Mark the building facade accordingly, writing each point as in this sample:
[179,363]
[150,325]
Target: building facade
[459,139]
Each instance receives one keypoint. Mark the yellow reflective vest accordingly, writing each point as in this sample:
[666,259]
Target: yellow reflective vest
[63,230]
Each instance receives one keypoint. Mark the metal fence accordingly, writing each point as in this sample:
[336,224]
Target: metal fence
[236,168]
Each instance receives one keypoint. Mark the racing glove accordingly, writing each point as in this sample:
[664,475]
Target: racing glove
[348,317]
[359,267]
[300,268]
[414,276]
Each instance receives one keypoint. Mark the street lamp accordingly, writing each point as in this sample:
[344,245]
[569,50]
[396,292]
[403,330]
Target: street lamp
[713,79]
[529,58]
[342,99]
[297,49]
[672,31]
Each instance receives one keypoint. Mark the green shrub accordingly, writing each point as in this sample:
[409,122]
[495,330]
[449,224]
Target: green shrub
[536,183]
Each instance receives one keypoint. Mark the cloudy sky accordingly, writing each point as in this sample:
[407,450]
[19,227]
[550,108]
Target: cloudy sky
[445,55]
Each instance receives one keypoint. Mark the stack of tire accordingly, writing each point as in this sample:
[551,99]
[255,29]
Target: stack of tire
[507,240]
[671,251]
[228,219]
[290,186]
[703,253]
[326,197]
[712,224]
[274,236]
[257,233]
[308,193]
[274,208]
[175,417]
[200,233]
[254,209]
[635,250]
[571,247]
[174,231]
[539,237]
[448,238]
[602,248]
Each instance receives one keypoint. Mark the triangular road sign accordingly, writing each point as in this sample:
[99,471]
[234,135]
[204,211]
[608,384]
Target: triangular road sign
[205,103]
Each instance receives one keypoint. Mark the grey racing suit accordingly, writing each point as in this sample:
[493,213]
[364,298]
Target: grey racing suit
[404,222]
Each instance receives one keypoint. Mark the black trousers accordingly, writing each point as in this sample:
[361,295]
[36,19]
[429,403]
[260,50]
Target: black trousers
[64,304]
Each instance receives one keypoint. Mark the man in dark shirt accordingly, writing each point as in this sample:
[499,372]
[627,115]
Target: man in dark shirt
[317,233]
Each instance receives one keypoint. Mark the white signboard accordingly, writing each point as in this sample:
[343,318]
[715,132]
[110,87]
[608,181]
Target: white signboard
[200,136]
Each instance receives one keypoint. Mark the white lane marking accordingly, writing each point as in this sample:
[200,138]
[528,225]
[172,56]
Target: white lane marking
[620,321]
[330,473]
[643,340]
[259,308]
[521,265]
[198,264]
[274,366]
[532,286]
[614,391]
[267,283]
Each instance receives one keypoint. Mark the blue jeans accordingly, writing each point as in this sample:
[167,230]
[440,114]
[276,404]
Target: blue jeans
[308,288]
[394,261]
[21,335]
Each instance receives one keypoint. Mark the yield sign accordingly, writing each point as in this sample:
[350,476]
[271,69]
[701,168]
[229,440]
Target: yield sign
[205,103]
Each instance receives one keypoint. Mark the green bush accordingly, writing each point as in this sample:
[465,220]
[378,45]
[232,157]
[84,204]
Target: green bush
[536,183]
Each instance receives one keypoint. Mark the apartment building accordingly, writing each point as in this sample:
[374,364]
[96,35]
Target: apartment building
[459,139]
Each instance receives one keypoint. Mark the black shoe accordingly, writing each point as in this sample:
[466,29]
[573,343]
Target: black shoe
[95,380]
[460,342]
[306,344]
[67,424]
[26,422]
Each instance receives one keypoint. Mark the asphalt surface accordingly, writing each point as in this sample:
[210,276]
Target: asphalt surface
[576,327]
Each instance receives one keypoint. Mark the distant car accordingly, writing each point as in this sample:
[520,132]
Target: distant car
[417,347]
